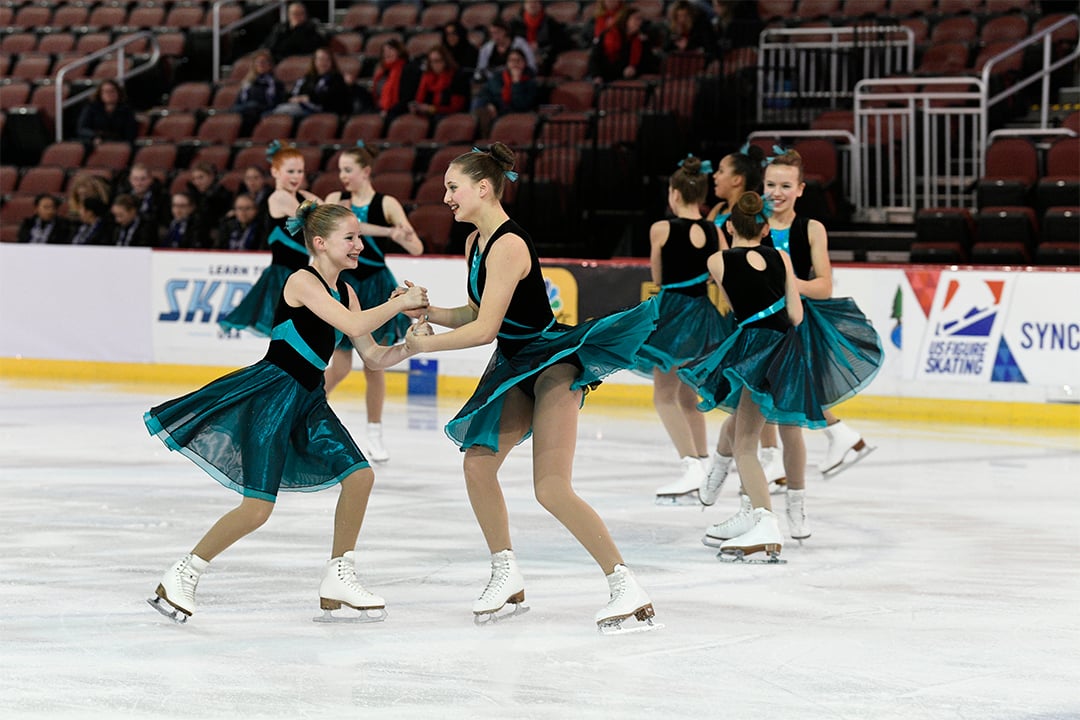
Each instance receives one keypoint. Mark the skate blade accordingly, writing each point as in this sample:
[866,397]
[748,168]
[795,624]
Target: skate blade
[175,614]
[751,557]
[500,615]
[712,542]
[845,463]
[644,623]
[352,616]
[685,499]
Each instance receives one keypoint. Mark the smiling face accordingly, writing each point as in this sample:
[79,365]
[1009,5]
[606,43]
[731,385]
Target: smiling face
[462,194]
[344,243]
[783,187]
[725,181]
[289,175]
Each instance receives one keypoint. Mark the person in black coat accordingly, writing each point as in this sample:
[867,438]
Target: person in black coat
[45,226]
[299,35]
[96,226]
[185,230]
[131,229]
[321,89]
[149,194]
[107,117]
[241,231]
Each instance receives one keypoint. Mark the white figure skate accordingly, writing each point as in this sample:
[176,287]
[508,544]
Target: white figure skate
[376,449]
[506,586]
[763,537]
[175,594]
[684,491]
[734,526]
[772,463]
[340,586]
[720,467]
[846,447]
[798,526]
[627,599]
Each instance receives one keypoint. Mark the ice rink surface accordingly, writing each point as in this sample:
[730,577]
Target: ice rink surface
[942,581]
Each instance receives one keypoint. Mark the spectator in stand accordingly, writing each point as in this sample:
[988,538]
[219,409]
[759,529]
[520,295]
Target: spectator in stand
[149,193]
[494,52]
[44,226]
[95,227]
[386,84]
[241,231]
[321,89]
[689,30]
[211,200]
[298,35]
[260,91]
[131,229]
[736,24]
[456,38]
[184,230]
[615,54]
[444,88]
[83,186]
[107,117]
[546,36]
[255,184]
[513,90]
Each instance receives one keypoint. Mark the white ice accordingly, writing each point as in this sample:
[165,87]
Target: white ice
[941,581]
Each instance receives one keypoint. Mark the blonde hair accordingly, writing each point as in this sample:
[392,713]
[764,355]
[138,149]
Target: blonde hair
[320,220]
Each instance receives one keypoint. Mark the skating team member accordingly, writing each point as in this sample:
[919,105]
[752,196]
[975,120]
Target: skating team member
[256,311]
[267,428]
[807,244]
[737,173]
[760,371]
[689,324]
[534,383]
[381,216]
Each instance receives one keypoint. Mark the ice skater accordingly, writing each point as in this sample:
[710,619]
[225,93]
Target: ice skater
[256,311]
[689,325]
[267,428]
[533,385]
[736,173]
[381,216]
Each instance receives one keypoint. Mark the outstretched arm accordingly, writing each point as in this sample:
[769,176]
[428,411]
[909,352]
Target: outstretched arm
[304,290]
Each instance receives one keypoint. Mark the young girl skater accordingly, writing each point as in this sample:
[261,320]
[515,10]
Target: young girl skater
[256,311]
[689,325]
[267,428]
[534,384]
[381,216]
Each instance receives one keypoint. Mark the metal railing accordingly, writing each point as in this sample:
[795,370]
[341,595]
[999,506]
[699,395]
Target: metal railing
[120,48]
[218,31]
[802,71]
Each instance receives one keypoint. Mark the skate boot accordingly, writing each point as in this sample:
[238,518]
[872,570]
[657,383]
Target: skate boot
[627,599]
[734,526]
[684,490]
[798,527]
[719,469]
[772,462]
[340,586]
[764,536]
[377,451]
[175,595]
[505,586]
[846,447]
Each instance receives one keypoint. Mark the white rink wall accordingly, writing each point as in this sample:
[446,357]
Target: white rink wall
[969,334]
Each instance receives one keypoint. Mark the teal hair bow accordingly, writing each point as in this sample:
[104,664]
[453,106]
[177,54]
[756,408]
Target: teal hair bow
[272,149]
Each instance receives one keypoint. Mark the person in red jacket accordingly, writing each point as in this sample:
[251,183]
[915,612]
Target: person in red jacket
[444,89]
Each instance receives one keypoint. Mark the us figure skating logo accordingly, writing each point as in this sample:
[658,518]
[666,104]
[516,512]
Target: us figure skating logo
[964,341]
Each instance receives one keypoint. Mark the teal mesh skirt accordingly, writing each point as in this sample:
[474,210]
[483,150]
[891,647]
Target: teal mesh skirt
[599,347]
[371,292]
[258,431]
[794,375]
[256,311]
[688,328]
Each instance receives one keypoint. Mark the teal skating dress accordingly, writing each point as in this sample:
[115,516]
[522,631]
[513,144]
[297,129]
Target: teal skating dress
[843,348]
[530,340]
[267,427]
[764,355]
[371,279]
[287,255]
[690,326]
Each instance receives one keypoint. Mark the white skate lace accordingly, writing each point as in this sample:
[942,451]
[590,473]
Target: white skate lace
[499,575]
[618,587]
[348,578]
[189,580]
